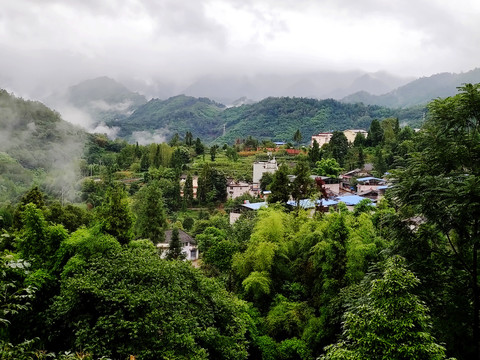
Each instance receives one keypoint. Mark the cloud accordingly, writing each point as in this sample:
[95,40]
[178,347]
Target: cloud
[146,137]
[52,43]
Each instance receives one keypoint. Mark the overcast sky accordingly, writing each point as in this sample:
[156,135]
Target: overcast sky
[46,42]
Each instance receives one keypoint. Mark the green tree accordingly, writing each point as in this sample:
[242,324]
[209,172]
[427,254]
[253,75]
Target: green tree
[328,167]
[199,147]
[314,153]
[280,186]
[297,137]
[213,152]
[130,301]
[188,190]
[174,251]
[115,215]
[188,139]
[266,180]
[338,146]
[34,196]
[389,322]
[375,134]
[441,182]
[303,185]
[149,210]
[231,153]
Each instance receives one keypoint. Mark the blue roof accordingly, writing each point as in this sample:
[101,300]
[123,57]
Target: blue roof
[327,202]
[351,200]
[383,187]
[304,203]
[255,206]
[368,178]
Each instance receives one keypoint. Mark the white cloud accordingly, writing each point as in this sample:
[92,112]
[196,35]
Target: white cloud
[55,43]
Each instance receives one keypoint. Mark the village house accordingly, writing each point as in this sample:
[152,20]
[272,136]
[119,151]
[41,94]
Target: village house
[262,167]
[245,207]
[238,188]
[322,138]
[189,245]
[351,134]
[368,183]
[183,178]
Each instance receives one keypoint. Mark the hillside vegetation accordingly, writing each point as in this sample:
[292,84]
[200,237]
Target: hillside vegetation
[271,118]
[36,145]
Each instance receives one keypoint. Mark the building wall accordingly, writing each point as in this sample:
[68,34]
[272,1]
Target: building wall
[259,168]
[236,190]
[322,138]
[335,188]
[351,134]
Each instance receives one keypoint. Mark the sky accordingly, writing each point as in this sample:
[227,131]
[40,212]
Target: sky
[53,43]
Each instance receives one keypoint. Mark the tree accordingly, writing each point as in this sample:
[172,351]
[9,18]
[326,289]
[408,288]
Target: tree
[338,146]
[115,215]
[132,302]
[314,153]
[441,182]
[297,137]
[199,147]
[34,196]
[188,138]
[328,167]
[303,185]
[266,180]
[280,186]
[232,153]
[180,157]
[389,322]
[213,152]
[212,185]
[174,251]
[188,190]
[150,214]
[375,134]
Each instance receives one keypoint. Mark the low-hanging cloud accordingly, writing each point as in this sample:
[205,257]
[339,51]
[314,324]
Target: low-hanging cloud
[178,42]
[150,137]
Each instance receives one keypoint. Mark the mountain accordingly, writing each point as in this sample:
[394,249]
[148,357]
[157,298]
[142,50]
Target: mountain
[271,118]
[418,92]
[36,145]
[318,85]
[279,118]
[177,114]
[96,101]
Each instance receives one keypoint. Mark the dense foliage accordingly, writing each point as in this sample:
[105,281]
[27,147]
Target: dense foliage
[397,279]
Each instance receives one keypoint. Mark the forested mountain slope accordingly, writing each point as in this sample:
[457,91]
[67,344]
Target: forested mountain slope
[34,142]
[271,118]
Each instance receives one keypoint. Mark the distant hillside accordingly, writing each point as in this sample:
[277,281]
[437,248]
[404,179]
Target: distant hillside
[272,118]
[418,92]
[317,85]
[36,145]
[177,114]
[96,101]
[279,118]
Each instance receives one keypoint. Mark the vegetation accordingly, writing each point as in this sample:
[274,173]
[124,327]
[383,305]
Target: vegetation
[397,279]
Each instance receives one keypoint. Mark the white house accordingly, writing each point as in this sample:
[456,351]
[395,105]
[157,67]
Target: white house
[189,245]
[238,188]
[322,138]
[262,167]
[352,133]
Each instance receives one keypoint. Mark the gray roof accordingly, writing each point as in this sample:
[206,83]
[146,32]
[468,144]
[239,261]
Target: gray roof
[184,237]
